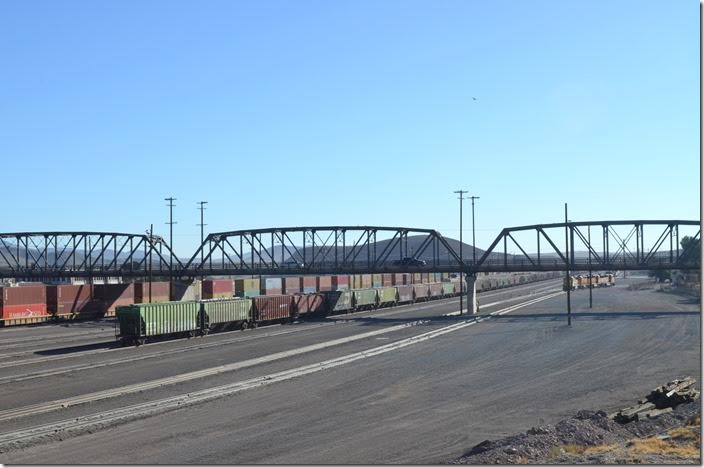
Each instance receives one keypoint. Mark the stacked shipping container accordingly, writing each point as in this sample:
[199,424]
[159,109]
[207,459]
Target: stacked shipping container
[23,304]
[217,289]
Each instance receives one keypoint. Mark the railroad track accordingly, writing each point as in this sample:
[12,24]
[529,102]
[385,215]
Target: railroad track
[95,421]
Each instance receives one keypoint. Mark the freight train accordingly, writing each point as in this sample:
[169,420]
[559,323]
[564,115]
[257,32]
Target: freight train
[582,282]
[140,322]
[37,302]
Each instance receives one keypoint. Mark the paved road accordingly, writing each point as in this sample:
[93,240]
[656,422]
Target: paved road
[423,403]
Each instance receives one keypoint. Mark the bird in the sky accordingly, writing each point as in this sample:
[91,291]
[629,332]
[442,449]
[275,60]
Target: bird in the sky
[474,99]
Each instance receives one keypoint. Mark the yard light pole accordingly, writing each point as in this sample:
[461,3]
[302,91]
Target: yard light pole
[461,193]
[171,242]
[201,208]
[474,243]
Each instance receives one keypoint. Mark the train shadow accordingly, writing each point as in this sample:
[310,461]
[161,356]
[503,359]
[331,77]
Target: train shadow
[79,348]
[593,316]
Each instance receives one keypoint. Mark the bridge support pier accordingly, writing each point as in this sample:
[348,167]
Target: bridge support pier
[472,307]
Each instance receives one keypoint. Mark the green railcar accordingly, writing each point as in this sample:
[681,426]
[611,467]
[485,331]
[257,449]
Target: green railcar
[227,313]
[339,301]
[140,321]
[365,298]
[448,289]
[387,296]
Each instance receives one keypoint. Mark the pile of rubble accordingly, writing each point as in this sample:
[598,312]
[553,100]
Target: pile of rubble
[595,436]
[659,401]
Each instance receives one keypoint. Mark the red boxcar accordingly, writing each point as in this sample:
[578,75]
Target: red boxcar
[23,304]
[309,303]
[399,279]
[366,281]
[273,307]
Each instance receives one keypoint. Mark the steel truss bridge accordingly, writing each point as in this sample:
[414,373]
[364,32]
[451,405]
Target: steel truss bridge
[614,245]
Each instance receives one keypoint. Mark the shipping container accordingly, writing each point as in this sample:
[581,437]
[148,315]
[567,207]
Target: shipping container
[248,287]
[112,296]
[273,307]
[365,298]
[292,284]
[366,281]
[324,283]
[227,313]
[271,286]
[23,304]
[186,290]
[340,282]
[387,296]
[217,288]
[339,301]
[405,293]
[313,303]
[387,279]
[159,291]
[421,292]
[68,301]
[310,284]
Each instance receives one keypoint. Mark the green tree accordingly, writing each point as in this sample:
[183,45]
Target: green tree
[691,249]
[660,275]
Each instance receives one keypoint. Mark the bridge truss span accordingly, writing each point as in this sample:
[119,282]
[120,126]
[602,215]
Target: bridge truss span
[38,255]
[595,245]
[323,249]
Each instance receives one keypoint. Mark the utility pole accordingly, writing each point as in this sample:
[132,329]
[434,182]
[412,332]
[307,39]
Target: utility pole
[461,197]
[201,208]
[567,272]
[589,241]
[171,243]
[151,248]
[474,243]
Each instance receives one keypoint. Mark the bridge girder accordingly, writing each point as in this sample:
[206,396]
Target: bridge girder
[348,249]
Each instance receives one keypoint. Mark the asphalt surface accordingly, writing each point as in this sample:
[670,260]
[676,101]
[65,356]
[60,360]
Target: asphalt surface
[426,402]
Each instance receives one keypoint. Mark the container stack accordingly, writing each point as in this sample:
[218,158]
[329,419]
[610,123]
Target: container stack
[324,283]
[271,286]
[248,287]
[71,301]
[113,295]
[340,283]
[23,304]
[159,292]
[292,284]
[309,284]
[217,289]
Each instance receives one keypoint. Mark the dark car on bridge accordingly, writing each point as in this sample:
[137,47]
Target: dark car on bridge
[409,261]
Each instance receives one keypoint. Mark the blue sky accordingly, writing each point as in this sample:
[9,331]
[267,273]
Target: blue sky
[284,113]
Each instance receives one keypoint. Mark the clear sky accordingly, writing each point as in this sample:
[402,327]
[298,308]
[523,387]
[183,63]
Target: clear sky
[293,112]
